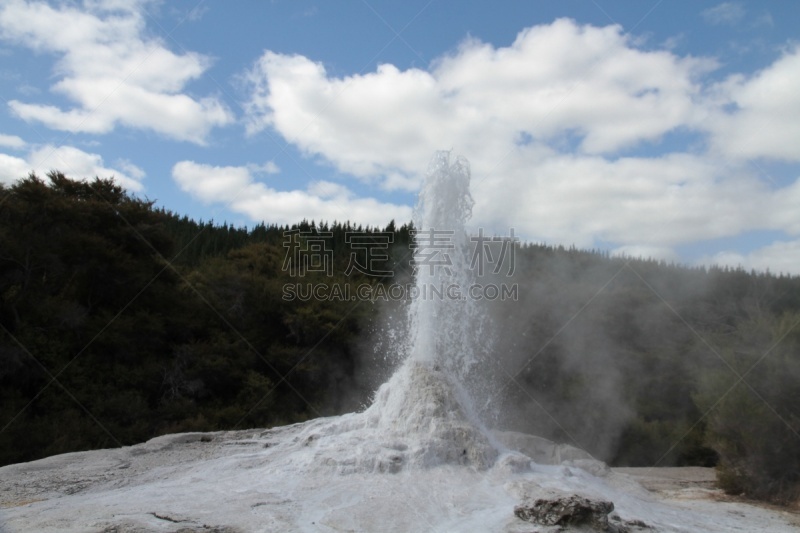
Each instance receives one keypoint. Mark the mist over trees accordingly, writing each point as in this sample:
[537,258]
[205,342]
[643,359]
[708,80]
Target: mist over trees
[120,321]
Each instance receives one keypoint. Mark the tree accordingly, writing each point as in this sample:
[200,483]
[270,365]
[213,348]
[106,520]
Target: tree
[753,407]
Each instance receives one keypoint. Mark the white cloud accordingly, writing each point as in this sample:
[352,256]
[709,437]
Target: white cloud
[12,168]
[198,12]
[129,168]
[235,187]
[543,122]
[778,257]
[726,13]
[674,41]
[112,70]
[328,189]
[657,202]
[267,168]
[396,181]
[782,212]
[212,184]
[73,162]
[11,141]
[766,106]
[646,252]
[555,79]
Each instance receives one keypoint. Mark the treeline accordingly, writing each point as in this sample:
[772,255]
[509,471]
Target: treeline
[120,321]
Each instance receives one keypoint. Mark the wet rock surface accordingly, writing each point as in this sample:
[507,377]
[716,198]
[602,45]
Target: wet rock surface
[572,510]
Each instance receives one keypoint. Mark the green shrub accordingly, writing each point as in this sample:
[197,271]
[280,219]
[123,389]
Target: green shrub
[752,404]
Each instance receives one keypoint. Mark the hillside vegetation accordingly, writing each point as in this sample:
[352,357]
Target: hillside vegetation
[120,321]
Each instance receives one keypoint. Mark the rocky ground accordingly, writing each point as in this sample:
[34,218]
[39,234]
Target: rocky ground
[253,481]
[694,486]
[410,462]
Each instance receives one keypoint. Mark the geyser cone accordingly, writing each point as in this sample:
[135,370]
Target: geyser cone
[422,405]
[418,420]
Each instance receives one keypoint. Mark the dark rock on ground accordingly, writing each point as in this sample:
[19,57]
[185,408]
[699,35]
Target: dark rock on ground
[569,511]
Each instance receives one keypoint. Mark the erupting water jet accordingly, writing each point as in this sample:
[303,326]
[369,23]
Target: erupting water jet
[423,414]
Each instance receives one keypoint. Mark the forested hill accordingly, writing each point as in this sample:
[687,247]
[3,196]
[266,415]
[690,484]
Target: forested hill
[120,321]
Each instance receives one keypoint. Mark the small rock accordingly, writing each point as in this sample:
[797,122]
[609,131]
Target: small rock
[570,510]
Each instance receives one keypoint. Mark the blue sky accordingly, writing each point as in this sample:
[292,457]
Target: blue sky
[663,129]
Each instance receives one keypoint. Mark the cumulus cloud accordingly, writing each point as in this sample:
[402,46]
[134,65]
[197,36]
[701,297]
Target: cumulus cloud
[12,168]
[236,188]
[113,71]
[552,125]
[632,201]
[11,141]
[763,109]
[780,257]
[73,162]
[553,80]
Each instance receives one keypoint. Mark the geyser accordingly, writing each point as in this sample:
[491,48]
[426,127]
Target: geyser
[427,397]
[423,416]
